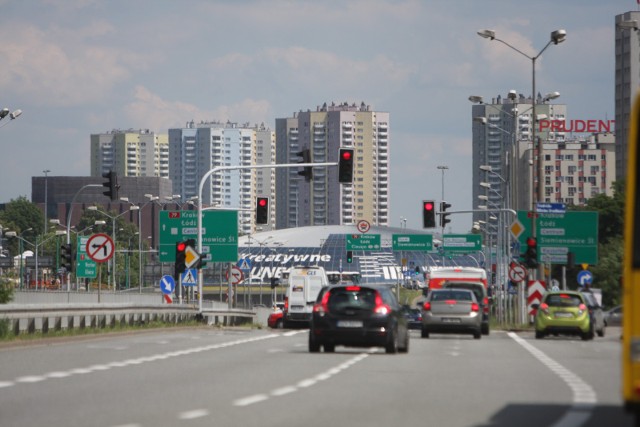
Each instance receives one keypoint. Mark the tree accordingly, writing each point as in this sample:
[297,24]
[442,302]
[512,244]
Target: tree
[20,215]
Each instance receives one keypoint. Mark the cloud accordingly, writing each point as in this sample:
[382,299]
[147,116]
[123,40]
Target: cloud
[56,67]
[151,111]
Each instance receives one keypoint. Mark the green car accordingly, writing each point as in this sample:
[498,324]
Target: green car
[563,313]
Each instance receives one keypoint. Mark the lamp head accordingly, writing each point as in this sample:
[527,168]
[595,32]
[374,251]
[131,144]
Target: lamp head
[475,99]
[487,34]
[558,36]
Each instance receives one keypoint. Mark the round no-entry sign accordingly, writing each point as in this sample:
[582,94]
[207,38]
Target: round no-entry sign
[517,273]
[236,275]
[100,247]
[363,226]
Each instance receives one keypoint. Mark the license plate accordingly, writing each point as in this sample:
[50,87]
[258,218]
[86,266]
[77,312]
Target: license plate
[450,320]
[349,324]
[563,314]
[297,307]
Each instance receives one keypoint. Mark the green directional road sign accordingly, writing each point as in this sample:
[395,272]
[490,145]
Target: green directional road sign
[412,242]
[462,243]
[85,266]
[363,242]
[219,234]
[560,233]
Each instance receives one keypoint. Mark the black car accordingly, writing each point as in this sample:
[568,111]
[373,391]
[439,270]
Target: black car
[414,317]
[358,316]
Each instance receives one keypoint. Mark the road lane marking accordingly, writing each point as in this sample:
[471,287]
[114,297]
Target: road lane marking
[193,414]
[305,383]
[584,397]
[130,362]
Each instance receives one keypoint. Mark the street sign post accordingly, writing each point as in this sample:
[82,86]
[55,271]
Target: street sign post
[558,234]
[219,234]
[363,242]
[85,266]
[412,242]
[462,243]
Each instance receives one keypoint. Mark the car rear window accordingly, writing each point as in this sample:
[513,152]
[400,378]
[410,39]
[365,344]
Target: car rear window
[341,298]
[457,295]
[563,300]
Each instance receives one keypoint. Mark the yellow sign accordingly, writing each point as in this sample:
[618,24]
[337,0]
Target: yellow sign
[190,257]
[584,266]
[516,228]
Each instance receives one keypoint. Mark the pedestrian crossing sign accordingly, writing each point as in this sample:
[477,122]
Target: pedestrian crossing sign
[190,277]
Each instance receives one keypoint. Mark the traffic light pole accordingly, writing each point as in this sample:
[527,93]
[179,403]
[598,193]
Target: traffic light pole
[200,189]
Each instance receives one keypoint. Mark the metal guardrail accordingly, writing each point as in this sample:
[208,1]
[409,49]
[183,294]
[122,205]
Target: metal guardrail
[30,318]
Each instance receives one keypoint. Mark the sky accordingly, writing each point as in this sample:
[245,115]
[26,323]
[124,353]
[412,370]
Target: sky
[80,67]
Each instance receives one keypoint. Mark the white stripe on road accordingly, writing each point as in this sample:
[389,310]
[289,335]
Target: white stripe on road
[307,382]
[584,397]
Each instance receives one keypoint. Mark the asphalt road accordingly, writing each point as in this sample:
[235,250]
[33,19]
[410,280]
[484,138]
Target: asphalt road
[213,377]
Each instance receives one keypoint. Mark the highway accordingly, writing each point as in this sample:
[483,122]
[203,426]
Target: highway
[251,377]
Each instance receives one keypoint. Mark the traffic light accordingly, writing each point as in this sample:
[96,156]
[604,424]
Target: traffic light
[111,185]
[444,220]
[349,257]
[345,165]
[66,257]
[531,255]
[308,170]
[428,214]
[262,210]
[181,254]
[274,282]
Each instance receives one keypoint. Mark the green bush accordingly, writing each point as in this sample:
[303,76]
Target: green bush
[6,290]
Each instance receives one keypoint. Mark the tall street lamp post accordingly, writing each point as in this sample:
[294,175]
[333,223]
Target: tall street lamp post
[557,36]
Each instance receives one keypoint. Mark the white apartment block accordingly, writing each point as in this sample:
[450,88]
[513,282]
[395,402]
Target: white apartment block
[627,81]
[130,153]
[199,147]
[575,166]
[323,200]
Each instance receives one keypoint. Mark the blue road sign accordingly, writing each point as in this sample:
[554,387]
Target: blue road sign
[189,277]
[167,284]
[244,264]
[585,278]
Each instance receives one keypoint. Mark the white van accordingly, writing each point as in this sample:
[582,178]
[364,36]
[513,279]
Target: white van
[303,287]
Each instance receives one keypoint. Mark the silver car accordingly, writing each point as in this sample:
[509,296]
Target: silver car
[451,311]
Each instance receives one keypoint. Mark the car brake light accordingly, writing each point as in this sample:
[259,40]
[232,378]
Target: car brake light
[381,307]
[581,308]
[286,304]
[475,307]
[544,307]
[323,306]
[485,302]
[426,306]
[451,302]
[353,288]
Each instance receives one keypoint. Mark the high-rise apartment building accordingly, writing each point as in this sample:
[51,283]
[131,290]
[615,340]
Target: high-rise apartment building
[130,153]
[323,200]
[576,166]
[627,48]
[199,147]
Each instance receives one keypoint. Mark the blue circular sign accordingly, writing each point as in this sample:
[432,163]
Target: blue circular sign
[167,284]
[585,278]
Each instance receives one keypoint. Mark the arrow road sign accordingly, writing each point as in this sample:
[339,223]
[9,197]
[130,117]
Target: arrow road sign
[517,273]
[100,247]
[167,284]
[236,275]
[585,278]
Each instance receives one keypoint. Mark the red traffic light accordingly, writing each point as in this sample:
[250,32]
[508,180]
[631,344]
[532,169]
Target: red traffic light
[428,206]
[262,202]
[346,155]
[531,242]
[181,246]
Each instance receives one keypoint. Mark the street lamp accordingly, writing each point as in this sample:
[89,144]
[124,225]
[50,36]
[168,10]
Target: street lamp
[12,116]
[443,168]
[21,248]
[557,36]
[113,235]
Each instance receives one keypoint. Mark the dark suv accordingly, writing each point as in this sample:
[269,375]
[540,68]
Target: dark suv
[358,316]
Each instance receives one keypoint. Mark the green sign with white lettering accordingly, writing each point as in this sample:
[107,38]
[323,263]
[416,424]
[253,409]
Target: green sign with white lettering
[363,242]
[560,233]
[85,266]
[464,243]
[219,234]
[412,242]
